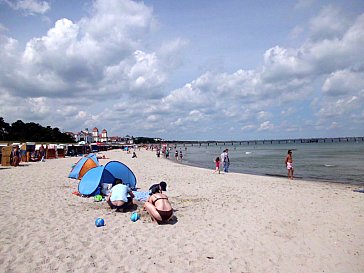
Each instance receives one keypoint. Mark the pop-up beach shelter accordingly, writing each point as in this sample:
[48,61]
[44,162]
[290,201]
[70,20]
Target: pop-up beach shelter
[83,165]
[91,182]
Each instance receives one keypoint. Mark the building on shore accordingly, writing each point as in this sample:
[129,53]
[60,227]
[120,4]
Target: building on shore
[95,137]
[104,137]
[83,136]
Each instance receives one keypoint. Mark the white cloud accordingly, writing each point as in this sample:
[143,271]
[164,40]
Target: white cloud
[266,126]
[296,32]
[244,96]
[170,53]
[39,106]
[248,127]
[195,115]
[190,96]
[334,125]
[317,57]
[152,118]
[81,114]
[343,82]
[102,70]
[30,6]
[343,107]
[263,115]
[98,55]
[326,25]
[144,74]
[286,112]
[280,63]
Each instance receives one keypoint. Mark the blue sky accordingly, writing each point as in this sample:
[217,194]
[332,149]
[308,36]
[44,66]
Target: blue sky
[186,70]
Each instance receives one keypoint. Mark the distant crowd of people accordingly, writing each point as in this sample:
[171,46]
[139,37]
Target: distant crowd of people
[166,151]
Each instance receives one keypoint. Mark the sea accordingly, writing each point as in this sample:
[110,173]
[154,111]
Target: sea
[338,162]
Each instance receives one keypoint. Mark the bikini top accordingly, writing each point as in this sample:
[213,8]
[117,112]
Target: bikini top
[158,198]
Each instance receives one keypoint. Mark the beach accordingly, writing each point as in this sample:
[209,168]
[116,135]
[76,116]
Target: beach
[224,222]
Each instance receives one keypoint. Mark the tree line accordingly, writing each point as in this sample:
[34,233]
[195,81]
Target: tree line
[22,132]
[143,140]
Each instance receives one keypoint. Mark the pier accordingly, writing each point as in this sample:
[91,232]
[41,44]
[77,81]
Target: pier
[273,141]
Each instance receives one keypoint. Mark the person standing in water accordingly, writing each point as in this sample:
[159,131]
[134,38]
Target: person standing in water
[289,164]
[224,159]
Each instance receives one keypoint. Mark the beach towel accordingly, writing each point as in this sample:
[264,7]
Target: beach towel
[141,195]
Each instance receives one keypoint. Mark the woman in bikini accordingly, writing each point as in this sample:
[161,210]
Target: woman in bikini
[158,206]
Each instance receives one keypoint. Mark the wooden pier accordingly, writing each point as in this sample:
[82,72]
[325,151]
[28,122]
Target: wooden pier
[273,141]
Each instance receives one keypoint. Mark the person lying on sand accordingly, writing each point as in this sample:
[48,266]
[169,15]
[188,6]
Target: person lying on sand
[158,206]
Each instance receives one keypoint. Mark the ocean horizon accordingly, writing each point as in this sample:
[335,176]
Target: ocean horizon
[339,162]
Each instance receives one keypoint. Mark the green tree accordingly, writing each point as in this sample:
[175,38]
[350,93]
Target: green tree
[17,131]
[4,129]
[20,131]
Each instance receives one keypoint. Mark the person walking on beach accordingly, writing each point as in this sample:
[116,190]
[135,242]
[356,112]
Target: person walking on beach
[224,157]
[217,165]
[176,155]
[289,164]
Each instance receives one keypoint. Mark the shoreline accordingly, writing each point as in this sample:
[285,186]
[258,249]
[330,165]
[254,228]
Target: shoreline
[298,178]
[224,223]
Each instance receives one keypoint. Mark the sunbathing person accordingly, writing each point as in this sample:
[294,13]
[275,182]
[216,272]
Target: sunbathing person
[120,196]
[158,206]
[101,156]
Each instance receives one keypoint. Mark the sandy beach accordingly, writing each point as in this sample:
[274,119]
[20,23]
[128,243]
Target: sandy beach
[225,223]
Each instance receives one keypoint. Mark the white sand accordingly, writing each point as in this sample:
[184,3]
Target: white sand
[226,223]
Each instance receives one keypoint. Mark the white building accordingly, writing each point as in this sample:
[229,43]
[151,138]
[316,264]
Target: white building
[84,135]
[104,137]
[95,135]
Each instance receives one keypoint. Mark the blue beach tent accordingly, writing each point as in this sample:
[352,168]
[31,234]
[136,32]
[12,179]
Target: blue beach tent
[90,183]
[83,165]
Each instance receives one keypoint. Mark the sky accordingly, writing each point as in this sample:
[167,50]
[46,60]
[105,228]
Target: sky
[185,70]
